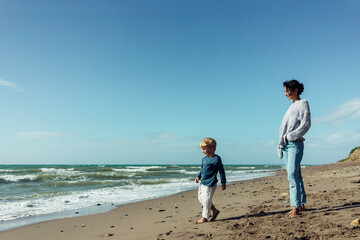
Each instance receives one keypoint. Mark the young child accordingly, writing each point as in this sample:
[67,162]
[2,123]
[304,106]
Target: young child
[210,166]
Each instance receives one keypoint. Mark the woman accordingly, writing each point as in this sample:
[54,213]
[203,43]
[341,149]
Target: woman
[296,123]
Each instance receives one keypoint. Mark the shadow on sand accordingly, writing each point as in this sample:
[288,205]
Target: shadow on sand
[349,205]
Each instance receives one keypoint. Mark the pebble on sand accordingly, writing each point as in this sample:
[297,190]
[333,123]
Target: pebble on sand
[356,222]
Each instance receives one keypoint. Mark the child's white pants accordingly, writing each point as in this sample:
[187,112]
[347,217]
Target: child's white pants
[205,196]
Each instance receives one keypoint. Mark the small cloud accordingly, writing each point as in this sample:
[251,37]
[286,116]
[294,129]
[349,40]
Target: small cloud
[150,140]
[164,136]
[349,110]
[272,144]
[10,85]
[335,140]
[41,135]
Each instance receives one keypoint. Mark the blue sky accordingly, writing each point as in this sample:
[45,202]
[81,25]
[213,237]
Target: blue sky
[143,82]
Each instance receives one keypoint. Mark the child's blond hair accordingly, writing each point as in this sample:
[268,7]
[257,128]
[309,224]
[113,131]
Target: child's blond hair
[208,142]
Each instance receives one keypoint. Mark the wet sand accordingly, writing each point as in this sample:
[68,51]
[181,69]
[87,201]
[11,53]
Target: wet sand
[252,209]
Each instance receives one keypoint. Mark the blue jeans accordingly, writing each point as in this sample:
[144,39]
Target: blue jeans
[293,153]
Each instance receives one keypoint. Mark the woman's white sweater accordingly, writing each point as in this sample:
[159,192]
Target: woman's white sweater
[296,123]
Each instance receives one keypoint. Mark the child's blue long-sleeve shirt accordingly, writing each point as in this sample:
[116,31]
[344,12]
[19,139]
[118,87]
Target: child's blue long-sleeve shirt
[209,169]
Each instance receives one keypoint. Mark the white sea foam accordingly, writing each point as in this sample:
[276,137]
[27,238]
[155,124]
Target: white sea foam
[134,169]
[7,170]
[191,173]
[61,171]
[231,177]
[242,167]
[81,199]
[17,178]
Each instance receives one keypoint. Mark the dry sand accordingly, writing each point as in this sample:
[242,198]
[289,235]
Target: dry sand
[252,209]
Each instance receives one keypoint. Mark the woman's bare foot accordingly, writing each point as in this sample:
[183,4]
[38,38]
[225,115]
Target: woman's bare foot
[202,220]
[215,214]
[294,212]
[302,208]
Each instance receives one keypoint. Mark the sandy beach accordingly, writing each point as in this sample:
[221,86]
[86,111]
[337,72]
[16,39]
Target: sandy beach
[252,209]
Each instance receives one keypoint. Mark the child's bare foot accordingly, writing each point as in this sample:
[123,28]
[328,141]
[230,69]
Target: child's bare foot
[215,214]
[202,220]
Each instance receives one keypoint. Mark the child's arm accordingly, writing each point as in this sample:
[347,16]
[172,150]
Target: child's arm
[197,179]
[220,166]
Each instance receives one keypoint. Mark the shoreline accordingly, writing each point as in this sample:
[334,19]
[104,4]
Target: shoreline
[85,211]
[47,190]
[254,208]
[30,220]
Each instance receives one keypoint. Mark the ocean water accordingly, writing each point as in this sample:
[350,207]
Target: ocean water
[36,190]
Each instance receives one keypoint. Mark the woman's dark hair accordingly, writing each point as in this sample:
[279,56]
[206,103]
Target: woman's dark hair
[294,84]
